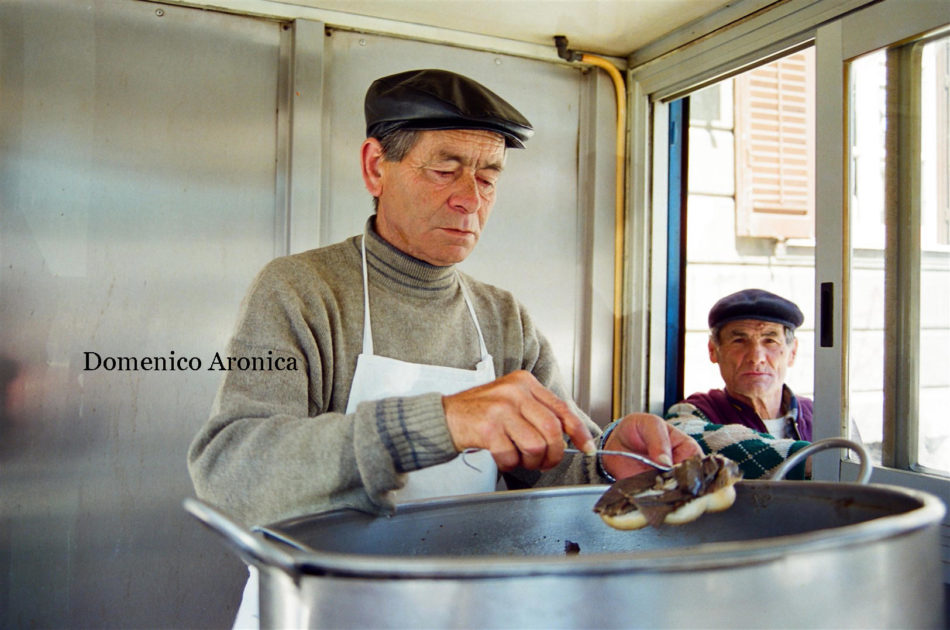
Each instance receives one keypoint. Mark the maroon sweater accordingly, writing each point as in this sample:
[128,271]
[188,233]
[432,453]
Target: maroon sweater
[721,408]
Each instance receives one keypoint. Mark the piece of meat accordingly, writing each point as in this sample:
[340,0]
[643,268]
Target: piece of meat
[653,498]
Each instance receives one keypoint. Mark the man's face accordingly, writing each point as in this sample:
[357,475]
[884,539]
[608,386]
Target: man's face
[434,203]
[753,357]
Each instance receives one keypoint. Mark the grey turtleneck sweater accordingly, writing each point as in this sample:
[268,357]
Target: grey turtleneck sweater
[279,443]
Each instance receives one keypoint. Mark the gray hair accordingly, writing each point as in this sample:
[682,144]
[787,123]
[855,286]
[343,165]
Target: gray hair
[396,146]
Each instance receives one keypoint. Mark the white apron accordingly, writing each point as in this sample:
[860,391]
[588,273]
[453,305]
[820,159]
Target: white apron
[379,377]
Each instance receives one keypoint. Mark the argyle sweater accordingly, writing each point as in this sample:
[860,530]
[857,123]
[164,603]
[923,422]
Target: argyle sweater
[279,443]
[719,407]
[757,454]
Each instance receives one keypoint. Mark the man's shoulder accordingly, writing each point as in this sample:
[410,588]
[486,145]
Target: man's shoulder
[318,260]
[308,271]
[712,404]
[711,395]
[487,290]
[498,304]
[802,400]
[347,248]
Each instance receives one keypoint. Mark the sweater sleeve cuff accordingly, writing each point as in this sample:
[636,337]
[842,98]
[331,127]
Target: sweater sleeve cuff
[414,431]
[798,472]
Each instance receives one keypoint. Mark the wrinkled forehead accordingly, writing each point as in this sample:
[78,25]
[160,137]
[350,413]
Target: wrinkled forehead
[751,328]
[475,148]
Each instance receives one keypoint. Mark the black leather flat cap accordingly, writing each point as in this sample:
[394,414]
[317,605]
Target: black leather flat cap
[755,304]
[439,99]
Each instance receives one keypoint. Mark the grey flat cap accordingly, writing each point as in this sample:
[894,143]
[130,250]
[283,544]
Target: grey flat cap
[755,304]
[439,99]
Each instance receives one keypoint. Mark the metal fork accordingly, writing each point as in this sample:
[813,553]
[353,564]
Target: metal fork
[639,458]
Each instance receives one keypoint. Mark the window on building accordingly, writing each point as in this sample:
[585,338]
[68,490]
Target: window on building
[775,155]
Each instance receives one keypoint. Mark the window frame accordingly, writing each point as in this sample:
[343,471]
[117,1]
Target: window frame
[881,26]
[656,76]
[840,30]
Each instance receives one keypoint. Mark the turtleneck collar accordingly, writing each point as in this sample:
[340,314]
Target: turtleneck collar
[398,269]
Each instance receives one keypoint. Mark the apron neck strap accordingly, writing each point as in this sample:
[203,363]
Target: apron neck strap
[471,309]
[367,326]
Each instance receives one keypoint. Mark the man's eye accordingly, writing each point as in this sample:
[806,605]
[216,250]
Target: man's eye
[441,173]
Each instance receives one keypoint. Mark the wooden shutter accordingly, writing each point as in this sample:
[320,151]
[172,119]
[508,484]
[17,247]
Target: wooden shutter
[775,153]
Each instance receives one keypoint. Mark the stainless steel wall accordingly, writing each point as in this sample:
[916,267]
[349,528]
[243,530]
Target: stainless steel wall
[148,168]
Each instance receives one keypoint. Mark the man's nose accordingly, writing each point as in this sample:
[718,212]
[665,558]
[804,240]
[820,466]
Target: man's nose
[758,353]
[465,197]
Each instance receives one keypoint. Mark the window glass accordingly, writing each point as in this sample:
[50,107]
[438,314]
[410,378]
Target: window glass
[899,246]
[866,307]
[750,206]
[933,449]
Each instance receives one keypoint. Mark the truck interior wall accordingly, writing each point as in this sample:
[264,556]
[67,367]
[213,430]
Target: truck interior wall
[139,187]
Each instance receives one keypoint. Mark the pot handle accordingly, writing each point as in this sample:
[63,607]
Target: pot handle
[864,474]
[251,549]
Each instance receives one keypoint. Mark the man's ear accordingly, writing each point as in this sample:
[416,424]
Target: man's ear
[712,351]
[793,352]
[371,157]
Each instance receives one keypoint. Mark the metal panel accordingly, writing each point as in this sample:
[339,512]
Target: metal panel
[152,159]
[593,350]
[736,48]
[137,187]
[306,97]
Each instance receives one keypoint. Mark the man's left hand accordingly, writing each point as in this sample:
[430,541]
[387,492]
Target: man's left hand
[649,435]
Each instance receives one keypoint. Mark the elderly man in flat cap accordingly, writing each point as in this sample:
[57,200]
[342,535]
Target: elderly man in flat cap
[413,379]
[752,340]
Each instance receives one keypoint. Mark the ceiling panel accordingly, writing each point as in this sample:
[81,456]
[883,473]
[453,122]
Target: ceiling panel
[607,27]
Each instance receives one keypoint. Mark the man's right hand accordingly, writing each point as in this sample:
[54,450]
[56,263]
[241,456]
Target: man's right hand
[521,422]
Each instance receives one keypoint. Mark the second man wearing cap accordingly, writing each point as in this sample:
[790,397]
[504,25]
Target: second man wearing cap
[752,340]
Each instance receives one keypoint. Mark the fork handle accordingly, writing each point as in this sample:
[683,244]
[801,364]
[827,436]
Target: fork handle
[639,458]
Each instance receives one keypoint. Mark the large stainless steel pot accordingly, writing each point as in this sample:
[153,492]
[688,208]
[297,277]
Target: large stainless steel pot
[786,555]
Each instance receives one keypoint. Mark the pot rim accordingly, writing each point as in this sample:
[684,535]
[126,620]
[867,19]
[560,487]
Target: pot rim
[714,555]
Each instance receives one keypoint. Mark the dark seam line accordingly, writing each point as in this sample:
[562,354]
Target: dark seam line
[384,435]
[405,433]
[409,284]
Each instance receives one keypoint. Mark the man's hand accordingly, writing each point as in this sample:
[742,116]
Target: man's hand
[649,435]
[521,422]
